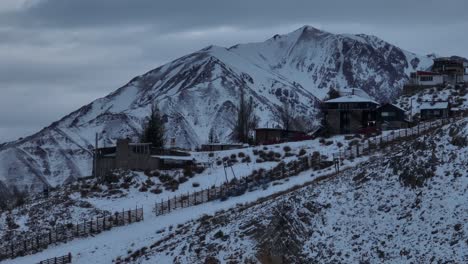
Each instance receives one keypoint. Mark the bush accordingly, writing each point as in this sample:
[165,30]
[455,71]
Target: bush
[143,188]
[195,184]
[302,152]
[339,144]
[188,171]
[287,148]
[211,154]
[219,234]
[233,156]
[156,191]
[182,179]
[219,162]
[259,160]
[246,159]
[459,141]
[199,169]
[255,152]
[241,154]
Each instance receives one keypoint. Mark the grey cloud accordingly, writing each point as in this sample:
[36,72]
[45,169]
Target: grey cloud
[57,55]
[182,14]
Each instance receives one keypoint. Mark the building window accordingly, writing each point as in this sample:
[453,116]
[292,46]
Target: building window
[387,114]
[426,78]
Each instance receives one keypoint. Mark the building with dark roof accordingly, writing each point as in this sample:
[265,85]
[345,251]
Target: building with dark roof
[350,114]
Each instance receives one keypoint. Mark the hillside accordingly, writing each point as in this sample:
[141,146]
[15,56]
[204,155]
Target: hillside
[404,206]
[405,203]
[198,93]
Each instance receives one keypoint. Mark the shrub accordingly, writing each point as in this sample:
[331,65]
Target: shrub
[195,184]
[182,179]
[259,160]
[143,188]
[219,162]
[188,171]
[302,152]
[459,141]
[219,234]
[199,169]
[241,154]
[287,148]
[246,159]
[255,151]
[339,144]
[233,156]
[156,191]
[211,154]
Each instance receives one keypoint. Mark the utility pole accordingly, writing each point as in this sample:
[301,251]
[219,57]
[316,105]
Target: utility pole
[95,155]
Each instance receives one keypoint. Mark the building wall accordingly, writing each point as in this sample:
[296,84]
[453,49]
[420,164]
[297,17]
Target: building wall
[125,158]
[422,80]
[218,147]
[465,78]
[262,136]
[334,119]
[427,114]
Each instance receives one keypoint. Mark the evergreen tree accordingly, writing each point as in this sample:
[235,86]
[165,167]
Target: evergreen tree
[333,93]
[154,129]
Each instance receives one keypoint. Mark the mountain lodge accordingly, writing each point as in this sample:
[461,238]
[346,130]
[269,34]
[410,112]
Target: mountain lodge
[350,114]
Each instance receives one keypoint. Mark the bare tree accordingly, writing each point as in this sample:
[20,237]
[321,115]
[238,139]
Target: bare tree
[246,119]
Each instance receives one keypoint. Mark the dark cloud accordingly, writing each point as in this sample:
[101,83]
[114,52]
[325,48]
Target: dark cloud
[57,55]
[179,14]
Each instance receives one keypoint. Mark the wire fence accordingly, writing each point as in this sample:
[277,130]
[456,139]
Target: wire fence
[68,232]
[283,170]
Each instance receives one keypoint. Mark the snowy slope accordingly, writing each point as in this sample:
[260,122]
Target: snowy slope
[199,93]
[406,206]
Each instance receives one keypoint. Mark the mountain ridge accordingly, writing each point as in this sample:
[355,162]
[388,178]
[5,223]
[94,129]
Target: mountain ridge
[198,93]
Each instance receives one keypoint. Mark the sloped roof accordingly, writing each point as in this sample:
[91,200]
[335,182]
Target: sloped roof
[351,99]
[434,105]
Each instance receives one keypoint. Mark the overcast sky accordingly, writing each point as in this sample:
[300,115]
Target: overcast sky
[57,55]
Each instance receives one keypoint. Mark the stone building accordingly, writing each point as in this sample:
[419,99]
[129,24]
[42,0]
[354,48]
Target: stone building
[137,156]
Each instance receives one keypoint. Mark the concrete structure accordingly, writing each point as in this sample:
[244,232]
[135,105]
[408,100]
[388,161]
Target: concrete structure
[350,114]
[136,156]
[390,116]
[277,135]
[444,71]
[434,110]
[220,146]
[426,78]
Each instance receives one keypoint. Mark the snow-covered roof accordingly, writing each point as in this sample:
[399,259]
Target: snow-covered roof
[353,91]
[434,105]
[351,99]
[167,157]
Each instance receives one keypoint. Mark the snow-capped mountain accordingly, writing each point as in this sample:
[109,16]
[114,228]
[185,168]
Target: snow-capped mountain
[199,92]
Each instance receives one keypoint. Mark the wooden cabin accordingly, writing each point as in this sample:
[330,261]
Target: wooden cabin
[390,116]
